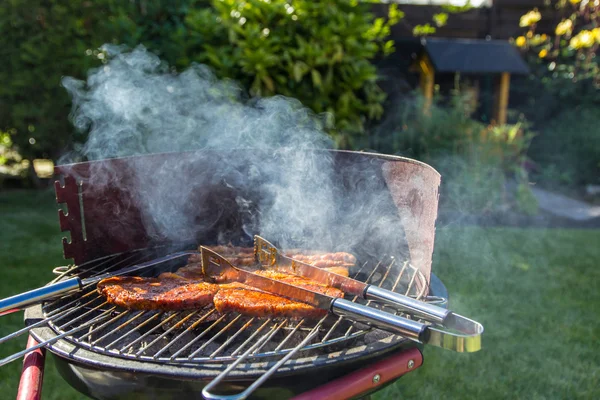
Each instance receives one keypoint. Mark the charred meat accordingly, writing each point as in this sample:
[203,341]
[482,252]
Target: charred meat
[167,292]
[260,304]
[256,303]
[187,290]
[338,262]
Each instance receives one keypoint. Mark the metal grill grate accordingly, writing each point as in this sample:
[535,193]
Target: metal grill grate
[204,336]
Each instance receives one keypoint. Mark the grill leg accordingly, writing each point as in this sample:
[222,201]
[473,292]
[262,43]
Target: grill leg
[368,379]
[30,387]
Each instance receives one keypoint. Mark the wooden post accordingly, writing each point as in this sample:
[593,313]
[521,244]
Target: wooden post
[427,79]
[502,98]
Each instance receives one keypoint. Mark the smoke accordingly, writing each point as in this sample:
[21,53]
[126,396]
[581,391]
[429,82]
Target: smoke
[226,167]
[136,105]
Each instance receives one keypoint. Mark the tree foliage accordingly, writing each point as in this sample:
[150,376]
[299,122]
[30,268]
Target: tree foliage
[317,52]
[563,92]
[41,42]
[569,56]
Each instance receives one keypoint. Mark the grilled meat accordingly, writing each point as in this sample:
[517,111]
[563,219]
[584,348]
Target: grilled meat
[260,304]
[302,282]
[325,260]
[168,292]
[256,303]
[186,289]
[244,256]
[191,271]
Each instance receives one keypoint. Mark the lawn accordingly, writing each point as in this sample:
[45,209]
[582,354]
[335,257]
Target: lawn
[537,292]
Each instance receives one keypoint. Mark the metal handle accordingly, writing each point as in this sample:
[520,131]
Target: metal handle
[206,392]
[415,307]
[38,295]
[467,340]
[392,323]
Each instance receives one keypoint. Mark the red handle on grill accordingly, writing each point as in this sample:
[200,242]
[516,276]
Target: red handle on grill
[30,386]
[367,379]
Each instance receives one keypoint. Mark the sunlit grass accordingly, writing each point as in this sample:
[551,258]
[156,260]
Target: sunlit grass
[30,246]
[536,292]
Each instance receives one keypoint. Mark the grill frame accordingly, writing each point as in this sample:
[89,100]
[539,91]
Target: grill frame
[103,377]
[412,188]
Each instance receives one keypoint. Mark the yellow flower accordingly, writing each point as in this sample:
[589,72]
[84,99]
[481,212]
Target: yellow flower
[543,53]
[530,18]
[575,43]
[586,38]
[537,40]
[564,27]
[521,41]
[596,33]
[574,1]
[544,37]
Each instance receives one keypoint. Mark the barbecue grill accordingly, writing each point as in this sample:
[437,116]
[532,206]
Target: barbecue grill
[110,353]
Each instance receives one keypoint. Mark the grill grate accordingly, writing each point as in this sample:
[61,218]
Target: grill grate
[204,336]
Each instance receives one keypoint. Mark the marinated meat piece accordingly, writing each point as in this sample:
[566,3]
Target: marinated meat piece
[168,292]
[327,260]
[191,271]
[256,303]
[337,263]
[186,289]
[194,271]
[260,304]
[302,282]
[319,258]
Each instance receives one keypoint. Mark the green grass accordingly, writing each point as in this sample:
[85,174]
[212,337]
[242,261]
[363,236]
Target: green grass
[537,292]
[30,246]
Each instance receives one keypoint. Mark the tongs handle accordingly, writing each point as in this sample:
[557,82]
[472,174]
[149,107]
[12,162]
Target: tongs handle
[467,340]
[38,295]
[380,319]
[405,303]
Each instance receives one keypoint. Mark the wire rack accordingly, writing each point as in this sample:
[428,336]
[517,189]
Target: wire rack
[203,336]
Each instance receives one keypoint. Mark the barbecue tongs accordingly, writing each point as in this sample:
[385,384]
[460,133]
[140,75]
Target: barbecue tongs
[452,331]
[467,340]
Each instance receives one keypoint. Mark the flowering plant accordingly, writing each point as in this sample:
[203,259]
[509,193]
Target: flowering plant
[571,53]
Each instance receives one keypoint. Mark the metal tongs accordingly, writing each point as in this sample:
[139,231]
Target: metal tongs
[215,265]
[455,332]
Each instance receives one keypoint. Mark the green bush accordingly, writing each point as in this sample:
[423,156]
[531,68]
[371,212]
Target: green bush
[568,148]
[474,159]
[317,52]
[41,42]
[561,96]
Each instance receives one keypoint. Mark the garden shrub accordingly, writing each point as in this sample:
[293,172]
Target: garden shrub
[41,42]
[562,93]
[317,52]
[569,148]
[474,159]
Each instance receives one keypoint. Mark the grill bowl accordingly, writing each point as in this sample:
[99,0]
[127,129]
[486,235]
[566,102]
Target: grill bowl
[105,377]
[393,200]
